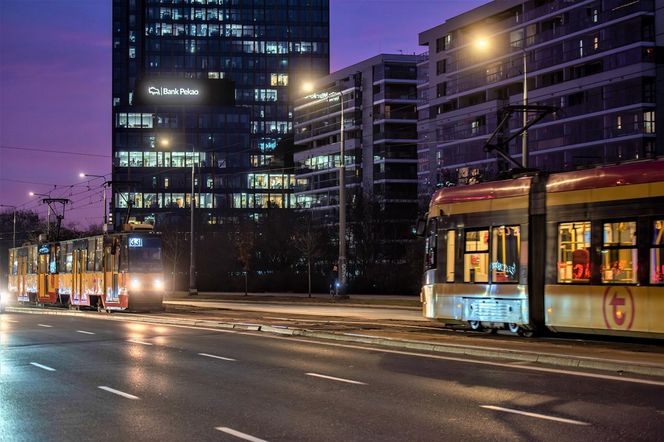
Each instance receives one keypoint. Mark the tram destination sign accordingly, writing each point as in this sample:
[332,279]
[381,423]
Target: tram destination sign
[185,91]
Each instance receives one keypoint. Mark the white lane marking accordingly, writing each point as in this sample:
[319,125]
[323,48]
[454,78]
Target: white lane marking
[441,358]
[349,381]
[138,342]
[537,415]
[43,367]
[118,392]
[216,357]
[45,325]
[84,332]
[9,320]
[239,434]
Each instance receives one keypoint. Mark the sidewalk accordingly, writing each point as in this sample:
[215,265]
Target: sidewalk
[395,301]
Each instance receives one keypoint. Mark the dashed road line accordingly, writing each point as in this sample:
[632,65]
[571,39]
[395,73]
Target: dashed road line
[535,415]
[135,341]
[45,325]
[215,357]
[118,392]
[43,367]
[85,332]
[240,434]
[332,378]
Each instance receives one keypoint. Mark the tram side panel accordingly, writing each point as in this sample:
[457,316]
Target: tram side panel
[600,277]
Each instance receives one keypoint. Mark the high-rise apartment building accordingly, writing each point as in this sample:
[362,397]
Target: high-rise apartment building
[208,82]
[594,60]
[379,99]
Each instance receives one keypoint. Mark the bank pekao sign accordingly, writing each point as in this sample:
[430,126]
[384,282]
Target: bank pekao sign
[155,90]
[185,91]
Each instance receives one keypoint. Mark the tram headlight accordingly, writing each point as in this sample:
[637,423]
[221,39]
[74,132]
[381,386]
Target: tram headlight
[158,284]
[135,284]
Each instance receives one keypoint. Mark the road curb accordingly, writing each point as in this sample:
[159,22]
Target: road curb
[561,360]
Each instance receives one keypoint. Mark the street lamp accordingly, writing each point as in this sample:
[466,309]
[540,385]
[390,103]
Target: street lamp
[86,175]
[165,142]
[14,231]
[308,88]
[48,212]
[483,44]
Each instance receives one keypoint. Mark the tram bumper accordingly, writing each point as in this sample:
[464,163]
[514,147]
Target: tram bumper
[145,299]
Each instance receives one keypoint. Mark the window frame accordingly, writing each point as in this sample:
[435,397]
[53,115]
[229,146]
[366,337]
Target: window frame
[491,257]
[466,252]
[652,247]
[634,247]
[581,281]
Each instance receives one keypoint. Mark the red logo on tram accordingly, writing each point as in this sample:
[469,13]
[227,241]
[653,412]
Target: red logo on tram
[619,308]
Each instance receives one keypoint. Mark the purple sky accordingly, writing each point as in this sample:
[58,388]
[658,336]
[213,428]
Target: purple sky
[55,84]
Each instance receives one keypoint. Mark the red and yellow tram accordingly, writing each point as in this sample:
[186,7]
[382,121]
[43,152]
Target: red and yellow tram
[579,251]
[119,271]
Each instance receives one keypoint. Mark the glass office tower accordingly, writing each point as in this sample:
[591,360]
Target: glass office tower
[206,82]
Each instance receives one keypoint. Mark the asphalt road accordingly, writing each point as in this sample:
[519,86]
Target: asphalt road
[71,378]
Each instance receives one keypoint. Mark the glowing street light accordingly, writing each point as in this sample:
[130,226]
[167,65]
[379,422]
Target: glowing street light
[86,175]
[308,87]
[165,142]
[483,44]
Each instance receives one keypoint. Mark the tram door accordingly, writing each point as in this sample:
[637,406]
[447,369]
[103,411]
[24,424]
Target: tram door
[22,269]
[111,273]
[42,272]
[78,269]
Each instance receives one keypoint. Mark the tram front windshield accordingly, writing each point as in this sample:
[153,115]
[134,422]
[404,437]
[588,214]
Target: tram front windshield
[145,255]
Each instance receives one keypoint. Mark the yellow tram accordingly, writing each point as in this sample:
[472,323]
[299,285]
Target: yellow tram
[117,271]
[579,251]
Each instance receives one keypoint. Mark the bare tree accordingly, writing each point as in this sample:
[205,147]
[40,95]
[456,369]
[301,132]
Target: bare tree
[245,249]
[309,242]
[174,248]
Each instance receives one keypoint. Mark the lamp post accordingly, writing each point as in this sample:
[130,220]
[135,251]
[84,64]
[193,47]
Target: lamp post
[14,222]
[48,212]
[192,202]
[309,87]
[86,175]
[483,44]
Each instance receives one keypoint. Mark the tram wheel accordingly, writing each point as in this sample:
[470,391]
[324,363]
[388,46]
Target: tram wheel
[526,333]
[513,328]
[475,325]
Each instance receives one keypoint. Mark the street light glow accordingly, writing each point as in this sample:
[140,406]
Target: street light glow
[82,175]
[308,87]
[482,43]
[164,142]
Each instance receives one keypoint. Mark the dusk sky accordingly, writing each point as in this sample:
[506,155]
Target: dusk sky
[55,85]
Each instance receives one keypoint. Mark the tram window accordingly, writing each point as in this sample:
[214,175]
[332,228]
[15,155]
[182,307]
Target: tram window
[69,258]
[476,256]
[657,253]
[450,239]
[506,247]
[99,262]
[574,252]
[33,259]
[91,255]
[619,253]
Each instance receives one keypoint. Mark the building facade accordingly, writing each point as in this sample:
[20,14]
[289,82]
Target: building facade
[594,60]
[208,82]
[379,99]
